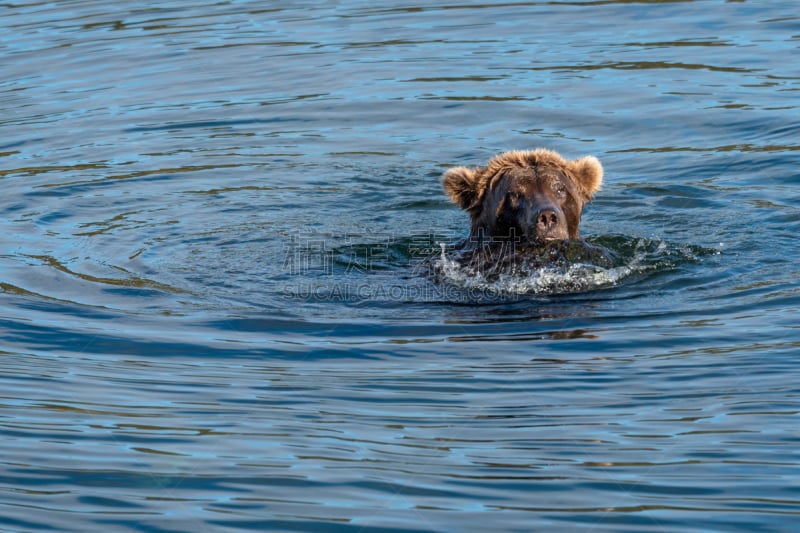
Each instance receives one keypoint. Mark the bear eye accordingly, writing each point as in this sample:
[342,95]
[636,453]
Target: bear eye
[559,189]
[513,199]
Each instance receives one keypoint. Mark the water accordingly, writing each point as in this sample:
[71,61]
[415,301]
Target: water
[215,222]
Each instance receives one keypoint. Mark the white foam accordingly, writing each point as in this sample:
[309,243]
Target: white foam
[570,278]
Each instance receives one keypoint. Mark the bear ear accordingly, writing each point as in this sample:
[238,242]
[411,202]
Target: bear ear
[589,173]
[461,185]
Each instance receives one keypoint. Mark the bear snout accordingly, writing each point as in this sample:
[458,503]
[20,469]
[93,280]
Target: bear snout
[548,224]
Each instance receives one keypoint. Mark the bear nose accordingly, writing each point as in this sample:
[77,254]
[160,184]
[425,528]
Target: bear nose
[546,220]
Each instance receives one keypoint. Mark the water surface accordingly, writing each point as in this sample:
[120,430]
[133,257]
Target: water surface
[212,309]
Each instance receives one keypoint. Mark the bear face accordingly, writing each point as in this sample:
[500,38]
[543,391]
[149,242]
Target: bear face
[528,196]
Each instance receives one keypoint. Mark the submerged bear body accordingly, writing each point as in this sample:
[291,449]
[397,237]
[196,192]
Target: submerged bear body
[490,262]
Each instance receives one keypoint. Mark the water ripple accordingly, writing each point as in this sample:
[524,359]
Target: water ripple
[214,308]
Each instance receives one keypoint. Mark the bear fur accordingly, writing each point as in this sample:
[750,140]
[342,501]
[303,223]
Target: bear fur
[529,197]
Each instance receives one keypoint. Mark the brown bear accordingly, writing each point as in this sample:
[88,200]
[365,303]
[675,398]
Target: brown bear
[525,208]
[526,196]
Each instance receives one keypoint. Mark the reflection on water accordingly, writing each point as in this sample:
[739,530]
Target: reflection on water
[217,221]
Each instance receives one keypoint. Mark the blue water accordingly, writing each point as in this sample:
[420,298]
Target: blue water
[213,302]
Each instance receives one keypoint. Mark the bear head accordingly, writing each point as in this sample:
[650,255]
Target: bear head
[530,196]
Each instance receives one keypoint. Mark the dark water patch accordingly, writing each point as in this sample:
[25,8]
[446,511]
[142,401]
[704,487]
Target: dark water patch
[206,125]
[641,65]
[717,149]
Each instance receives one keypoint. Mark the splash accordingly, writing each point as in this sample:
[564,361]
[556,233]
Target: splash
[564,268]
